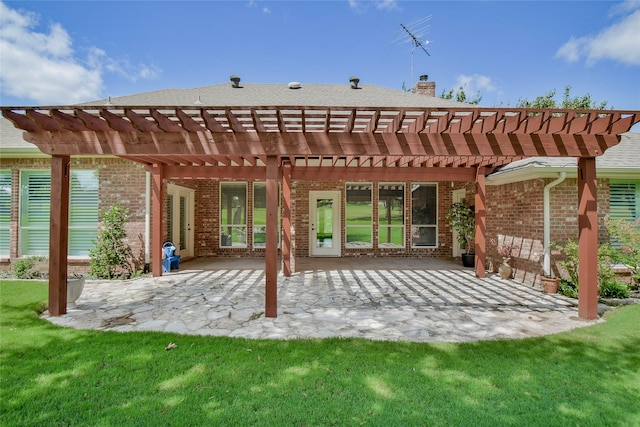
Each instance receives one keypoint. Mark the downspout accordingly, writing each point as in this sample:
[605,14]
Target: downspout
[147,222]
[547,223]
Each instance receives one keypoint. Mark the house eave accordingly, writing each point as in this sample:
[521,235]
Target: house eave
[544,172]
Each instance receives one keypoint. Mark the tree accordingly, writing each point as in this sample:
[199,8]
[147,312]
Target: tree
[461,96]
[568,103]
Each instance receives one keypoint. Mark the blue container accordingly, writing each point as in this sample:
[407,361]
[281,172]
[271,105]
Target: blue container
[170,261]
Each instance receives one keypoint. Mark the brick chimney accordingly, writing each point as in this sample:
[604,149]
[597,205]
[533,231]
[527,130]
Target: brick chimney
[424,87]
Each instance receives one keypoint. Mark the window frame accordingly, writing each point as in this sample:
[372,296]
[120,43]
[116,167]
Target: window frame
[253,215]
[76,224]
[5,212]
[236,227]
[633,206]
[348,227]
[435,224]
[392,227]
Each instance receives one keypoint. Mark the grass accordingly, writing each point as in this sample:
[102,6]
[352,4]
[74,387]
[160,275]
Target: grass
[59,376]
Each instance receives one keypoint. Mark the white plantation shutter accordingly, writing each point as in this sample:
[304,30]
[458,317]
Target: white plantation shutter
[5,211]
[83,211]
[624,200]
[35,198]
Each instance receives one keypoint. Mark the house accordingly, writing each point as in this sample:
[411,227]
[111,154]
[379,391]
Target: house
[301,170]
[533,203]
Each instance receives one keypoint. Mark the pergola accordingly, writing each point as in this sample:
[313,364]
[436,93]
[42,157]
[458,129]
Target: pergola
[284,143]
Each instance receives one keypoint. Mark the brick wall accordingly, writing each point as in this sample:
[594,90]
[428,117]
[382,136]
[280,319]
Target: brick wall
[515,215]
[120,181]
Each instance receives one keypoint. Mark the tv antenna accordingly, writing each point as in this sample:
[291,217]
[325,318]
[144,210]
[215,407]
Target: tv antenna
[414,33]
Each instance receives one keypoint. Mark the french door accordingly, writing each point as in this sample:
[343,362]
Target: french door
[180,219]
[324,224]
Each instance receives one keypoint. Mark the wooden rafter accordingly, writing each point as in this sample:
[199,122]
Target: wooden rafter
[391,137]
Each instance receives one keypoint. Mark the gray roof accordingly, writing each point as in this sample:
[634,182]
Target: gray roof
[624,157]
[265,95]
[12,144]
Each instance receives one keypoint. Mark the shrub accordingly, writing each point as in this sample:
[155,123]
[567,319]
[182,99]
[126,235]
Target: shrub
[626,249]
[111,255]
[33,267]
[613,289]
[570,263]
[568,288]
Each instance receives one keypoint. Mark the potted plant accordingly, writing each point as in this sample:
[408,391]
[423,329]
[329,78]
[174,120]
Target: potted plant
[75,286]
[461,218]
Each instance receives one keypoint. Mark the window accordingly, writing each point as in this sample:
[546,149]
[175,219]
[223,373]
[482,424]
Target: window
[83,211]
[358,215]
[391,215]
[624,200]
[35,196]
[169,231]
[424,215]
[5,211]
[260,215]
[35,199]
[233,214]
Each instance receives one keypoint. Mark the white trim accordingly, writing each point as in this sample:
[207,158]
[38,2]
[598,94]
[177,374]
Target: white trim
[336,247]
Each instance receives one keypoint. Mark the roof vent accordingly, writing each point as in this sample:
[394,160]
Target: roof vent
[235,81]
[424,77]
[294,85]
[198,101]
[354,82]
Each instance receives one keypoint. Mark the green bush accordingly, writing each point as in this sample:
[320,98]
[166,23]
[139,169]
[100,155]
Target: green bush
[568,288]
[111,256]
[613,289]
[33,267]
[570,263]
[626,238]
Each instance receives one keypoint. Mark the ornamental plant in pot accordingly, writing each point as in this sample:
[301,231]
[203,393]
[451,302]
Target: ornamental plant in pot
[461,218]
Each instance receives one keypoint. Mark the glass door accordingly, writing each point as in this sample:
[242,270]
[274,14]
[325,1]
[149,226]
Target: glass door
[324,223]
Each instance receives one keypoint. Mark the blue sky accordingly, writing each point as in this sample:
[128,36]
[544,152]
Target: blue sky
[63,52]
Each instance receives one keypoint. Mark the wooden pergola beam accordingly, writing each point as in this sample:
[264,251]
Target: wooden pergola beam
[271,252]
[587,239]
[59,234]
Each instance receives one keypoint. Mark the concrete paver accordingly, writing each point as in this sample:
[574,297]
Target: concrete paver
[395,300]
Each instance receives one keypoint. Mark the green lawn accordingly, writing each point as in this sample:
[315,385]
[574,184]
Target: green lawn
[54,376]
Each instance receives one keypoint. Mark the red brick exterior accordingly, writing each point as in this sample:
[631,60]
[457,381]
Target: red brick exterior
[514,214]
[120,181]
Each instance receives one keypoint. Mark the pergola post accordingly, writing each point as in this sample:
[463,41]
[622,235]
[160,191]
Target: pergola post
[481,225]
[156,220]
[59,234]
[271,252]
[286,219]
[587,239]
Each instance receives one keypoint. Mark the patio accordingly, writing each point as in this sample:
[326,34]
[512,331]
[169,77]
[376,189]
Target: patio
[395,299]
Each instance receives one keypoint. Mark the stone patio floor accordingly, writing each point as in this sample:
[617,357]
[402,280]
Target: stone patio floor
[420,300]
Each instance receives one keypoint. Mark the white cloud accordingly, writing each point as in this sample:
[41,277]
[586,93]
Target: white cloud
[387,5]
[619,42]
[361,6]
[474,84]
[44,67]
